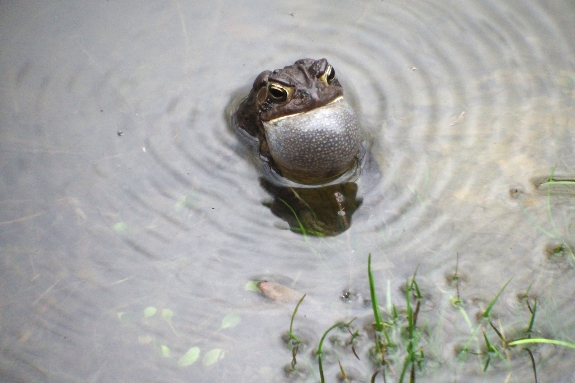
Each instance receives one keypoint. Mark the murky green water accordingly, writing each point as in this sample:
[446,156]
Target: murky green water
[123,189]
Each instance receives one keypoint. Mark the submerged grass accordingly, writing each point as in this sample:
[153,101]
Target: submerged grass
[484,318]
[554,234]
[319,351]
[399,341]
[301,227]
[294,341]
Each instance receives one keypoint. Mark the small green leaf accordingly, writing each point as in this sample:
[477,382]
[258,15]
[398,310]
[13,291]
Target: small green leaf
[188,201]
[180,204]
[150,311]
[165,350]
[189,357]
[212,356]
[231,320]
[191,199]
[455,302]
[488,310]
[252,286]
[121,228]
[167,314]
[124,317]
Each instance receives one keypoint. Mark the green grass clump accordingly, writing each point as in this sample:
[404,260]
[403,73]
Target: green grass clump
[400,341]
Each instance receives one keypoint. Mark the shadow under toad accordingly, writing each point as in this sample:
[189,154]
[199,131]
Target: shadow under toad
[321,211]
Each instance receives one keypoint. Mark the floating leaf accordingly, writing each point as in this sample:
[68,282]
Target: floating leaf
[150,311]
[167,314]
[121,227]
[252,286]
[165,350]
[124,317]
[213,356]
[180,204]
[231,320]
[188,201]
[189,357]
[191,199]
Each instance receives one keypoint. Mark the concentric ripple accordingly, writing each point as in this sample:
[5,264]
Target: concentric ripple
[445,86]
[452,96]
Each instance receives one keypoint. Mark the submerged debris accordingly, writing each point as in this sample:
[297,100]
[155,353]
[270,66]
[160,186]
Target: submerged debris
[279,293]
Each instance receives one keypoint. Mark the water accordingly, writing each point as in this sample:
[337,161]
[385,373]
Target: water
[123,187]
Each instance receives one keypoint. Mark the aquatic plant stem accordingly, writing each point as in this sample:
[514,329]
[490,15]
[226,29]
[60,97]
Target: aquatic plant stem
[293,317]
[319,351]
[294,340]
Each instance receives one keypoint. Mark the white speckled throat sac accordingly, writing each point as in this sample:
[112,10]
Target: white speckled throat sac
[316,145]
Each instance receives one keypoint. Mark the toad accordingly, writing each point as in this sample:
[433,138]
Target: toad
[305,129]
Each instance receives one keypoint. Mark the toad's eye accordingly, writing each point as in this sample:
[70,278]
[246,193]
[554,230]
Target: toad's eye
[278,93]
[328,75]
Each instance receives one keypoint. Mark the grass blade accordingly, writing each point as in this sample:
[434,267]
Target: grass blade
[542,340]
[532,363]
[380,330]
[486,313]
[374,304]
[532,320]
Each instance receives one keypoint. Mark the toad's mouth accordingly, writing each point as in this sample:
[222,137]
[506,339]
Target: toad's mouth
[337,99]
[313,146]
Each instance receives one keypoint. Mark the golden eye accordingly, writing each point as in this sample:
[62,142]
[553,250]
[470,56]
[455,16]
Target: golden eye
[278,93]
[328,75]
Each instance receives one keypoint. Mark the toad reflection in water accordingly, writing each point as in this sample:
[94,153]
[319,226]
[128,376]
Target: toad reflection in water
[309,142]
